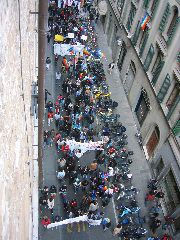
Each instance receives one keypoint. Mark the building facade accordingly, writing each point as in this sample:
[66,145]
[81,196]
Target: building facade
[144,37]
[18,61]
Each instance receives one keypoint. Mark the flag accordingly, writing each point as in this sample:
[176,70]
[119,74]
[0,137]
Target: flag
[144,21]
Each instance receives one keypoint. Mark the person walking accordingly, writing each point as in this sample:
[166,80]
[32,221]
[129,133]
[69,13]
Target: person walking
[117,230]
[46,94]
[48,61]
[111,67]
[50,203]
[106,223]
[45,221]
[93,206]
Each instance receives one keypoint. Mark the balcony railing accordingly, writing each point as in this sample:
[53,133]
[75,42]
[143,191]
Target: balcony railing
[176,70]
[162,45]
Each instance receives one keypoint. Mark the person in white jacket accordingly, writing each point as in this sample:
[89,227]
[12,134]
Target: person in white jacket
[50,203]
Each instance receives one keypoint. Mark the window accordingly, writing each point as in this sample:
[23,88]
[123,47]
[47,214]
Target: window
[146,3]
[120,5]
[174,17]
[154,7]
[149,57]
[143,41]
[142,107]
[164,88]
[177,224]
[159,167]
[164,18]
[159,58]
[130,77]
[153,141]
[176,128]
[136,34]
[173,25]
[121,56]
[173,96]
[172,193]
[132,13]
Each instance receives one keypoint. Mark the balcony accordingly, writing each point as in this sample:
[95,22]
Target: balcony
[115,10]
[162,45]
[176,71]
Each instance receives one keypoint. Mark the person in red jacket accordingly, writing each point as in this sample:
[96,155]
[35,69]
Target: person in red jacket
[46,221]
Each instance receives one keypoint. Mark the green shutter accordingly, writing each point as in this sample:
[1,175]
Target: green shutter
[153,10]
[171,34]
[149,57]
[164,18]
[178,57]
[131,17]
[146,3]
[136,34]
[171,110]
[176,128]
[157,72]
[144,43]
[164,88]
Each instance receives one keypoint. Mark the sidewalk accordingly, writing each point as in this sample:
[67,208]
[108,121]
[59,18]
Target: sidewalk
[139,168]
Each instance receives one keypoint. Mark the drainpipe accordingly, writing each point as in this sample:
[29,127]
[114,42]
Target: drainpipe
[43,9]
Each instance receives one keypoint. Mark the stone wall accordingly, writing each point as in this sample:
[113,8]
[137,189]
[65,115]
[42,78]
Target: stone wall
[17,64]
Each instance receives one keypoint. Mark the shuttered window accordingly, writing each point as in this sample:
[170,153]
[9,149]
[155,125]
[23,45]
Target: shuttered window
[178,57]
[173,106]
[172,32]
[131,17]
[153,141]
[120,5]
[143,42]
[154,7]
[146,3]
[164,88]
[136,34]
[176,128]
[164,18]
[149,57]
[157,72]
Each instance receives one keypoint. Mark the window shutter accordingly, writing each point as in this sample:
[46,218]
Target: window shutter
[131,17]
[143,44]
[157,72]
[153,10]
[146,3]
[171,110]
[136,34]
[149,57]
[164,88]
[176,128]
[178,57]
[164,18]
[171,34]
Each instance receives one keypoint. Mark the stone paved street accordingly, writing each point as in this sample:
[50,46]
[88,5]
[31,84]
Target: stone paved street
[139,167]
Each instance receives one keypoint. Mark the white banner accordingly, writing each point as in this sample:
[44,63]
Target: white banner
[83,147]
[67,49]
[83,218]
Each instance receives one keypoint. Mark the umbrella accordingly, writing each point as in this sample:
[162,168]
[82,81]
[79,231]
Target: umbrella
[58,38]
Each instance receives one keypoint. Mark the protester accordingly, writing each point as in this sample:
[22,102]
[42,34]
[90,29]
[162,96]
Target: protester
[111,67]
[117,230]
[106,223]
[45,221]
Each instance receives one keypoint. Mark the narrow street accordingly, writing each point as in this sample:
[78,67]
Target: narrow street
[139,168]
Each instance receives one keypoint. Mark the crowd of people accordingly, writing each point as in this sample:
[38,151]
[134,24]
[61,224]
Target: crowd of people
[83,98]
